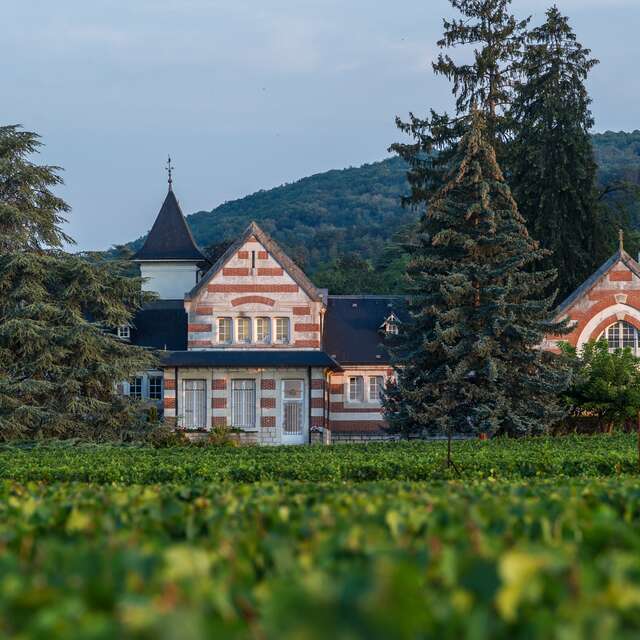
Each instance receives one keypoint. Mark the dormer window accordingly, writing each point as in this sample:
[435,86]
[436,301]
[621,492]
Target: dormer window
[391,326]
[124,332]
[282,330]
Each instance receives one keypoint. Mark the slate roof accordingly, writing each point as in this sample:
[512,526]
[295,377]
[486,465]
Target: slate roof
[161,325]
[620,256]
[170,237]
[266,358]
[352,332]
[276,253]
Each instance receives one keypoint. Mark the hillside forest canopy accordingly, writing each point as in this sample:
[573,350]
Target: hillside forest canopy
[354,216]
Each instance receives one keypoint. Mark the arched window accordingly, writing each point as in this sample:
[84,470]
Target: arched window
[621,335]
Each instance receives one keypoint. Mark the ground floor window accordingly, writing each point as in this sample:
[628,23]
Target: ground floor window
[155,387]
[135,387]
[293,406]
[243,404]
[356,389]
[195,404]
[376,384]
[622,335]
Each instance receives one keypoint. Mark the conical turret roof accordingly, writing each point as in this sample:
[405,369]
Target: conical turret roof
[170,237]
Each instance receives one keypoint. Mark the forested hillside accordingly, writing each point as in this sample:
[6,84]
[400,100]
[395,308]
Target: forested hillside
[357,210]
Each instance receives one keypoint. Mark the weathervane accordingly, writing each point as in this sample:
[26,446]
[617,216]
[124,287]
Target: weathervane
[621,236]
[169,169]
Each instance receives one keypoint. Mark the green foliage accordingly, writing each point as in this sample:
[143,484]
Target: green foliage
[469,360]
[498,458]
[58,362]
[552,169]
[605,384]
[486,560]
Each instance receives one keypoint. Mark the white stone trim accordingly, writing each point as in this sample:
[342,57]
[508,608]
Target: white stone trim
[613,310]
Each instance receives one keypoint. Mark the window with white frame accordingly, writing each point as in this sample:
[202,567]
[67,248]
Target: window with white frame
[263,330]
[356,389]
[376,385]
[243,404]
[225,328]
[282,330]
[135,387]
[195,404]
[124,331]
[243,331]
[292,407]
[155,387]
[622,335]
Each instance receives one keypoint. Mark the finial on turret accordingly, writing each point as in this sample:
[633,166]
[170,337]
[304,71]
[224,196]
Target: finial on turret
[169,169]
[621,237]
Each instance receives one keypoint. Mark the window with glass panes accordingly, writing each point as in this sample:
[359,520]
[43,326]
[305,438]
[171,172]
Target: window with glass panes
[244,330]
[243,404]
[376,384]
[282,330]
[356,389]
[621,335]
[263,330]
[292,406]
[135,387]
[224,330]
[155,387]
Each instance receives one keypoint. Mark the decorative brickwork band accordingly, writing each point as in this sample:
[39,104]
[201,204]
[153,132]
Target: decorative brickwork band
[199,343]
[252,300]
[204,310]
[620,276]
[270,271]
[243,255]
[263,255]
[301,311]
[218,403]
[306,327]
[169,383]
[199,328]
[317,403]
[219,384]
[235,271]
[268,403]
[268,385]
[307,343]
[317,384]
[252,288]
[169,403]
[219,421]
[268,421]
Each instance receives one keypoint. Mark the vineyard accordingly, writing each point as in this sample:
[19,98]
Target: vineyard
[538,539]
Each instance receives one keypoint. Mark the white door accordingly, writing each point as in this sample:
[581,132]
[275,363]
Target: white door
[195,404]
[294,427]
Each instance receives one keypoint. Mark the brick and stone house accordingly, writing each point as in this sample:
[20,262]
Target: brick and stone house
[606,306]
[251,343]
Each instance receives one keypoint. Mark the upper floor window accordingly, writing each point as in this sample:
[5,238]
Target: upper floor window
[622,335]
[244,330]
[124,331]
[282,330]
[224,330]
[376,385]
[263,330]
[356,389]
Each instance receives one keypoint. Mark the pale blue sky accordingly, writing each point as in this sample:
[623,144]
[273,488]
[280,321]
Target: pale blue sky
[244,94]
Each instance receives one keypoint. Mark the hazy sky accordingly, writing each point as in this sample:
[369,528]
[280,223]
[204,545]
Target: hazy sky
[244,94]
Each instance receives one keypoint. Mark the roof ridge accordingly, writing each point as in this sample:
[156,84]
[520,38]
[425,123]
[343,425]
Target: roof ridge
[276,252]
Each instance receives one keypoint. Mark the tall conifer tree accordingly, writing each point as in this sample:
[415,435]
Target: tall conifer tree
[469,359]
[496,36]
[58,362]
[551,160]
